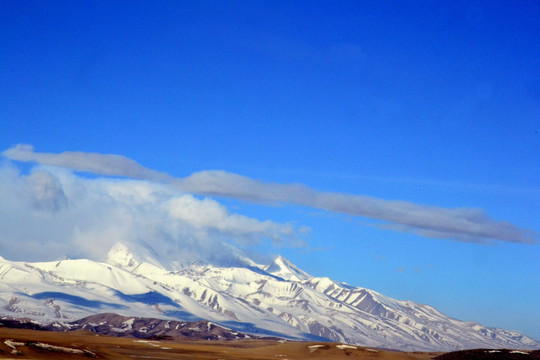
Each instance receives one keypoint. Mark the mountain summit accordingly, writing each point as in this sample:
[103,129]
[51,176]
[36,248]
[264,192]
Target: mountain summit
[137,259]
[122,257]
[285,269]
[277,300]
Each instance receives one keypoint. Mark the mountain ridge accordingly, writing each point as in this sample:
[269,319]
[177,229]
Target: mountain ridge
[277,300]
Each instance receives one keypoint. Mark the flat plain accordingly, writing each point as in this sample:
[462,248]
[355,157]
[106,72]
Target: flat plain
[34,344]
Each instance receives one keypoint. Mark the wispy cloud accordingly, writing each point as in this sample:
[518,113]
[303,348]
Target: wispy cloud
[462,224]
[113,165]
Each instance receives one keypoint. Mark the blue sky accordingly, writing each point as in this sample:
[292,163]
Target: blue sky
[431,103]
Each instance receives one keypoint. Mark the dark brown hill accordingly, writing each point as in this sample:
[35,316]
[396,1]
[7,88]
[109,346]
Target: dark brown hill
[490,354]
[148,328]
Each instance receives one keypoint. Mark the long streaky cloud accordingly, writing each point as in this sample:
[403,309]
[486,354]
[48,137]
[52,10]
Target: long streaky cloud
[102,164]
[463,224]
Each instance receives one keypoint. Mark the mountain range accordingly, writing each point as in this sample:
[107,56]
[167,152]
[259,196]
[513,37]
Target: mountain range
[277,300]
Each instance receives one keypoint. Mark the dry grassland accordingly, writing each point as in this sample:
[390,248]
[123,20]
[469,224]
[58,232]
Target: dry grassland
[32,344]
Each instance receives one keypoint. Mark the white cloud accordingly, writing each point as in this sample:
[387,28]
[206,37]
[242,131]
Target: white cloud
[463,224]
[210,215]
[52,212]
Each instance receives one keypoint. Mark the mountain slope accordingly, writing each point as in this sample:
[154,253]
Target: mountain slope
[278,299]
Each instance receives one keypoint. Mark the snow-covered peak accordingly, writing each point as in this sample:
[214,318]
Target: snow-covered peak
[137,262]
[121,256]
[285,269]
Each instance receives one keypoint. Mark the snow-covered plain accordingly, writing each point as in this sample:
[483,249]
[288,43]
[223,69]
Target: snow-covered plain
[278,299]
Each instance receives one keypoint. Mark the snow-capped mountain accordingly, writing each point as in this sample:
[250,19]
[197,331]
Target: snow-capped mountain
[278,299]
[286,270]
